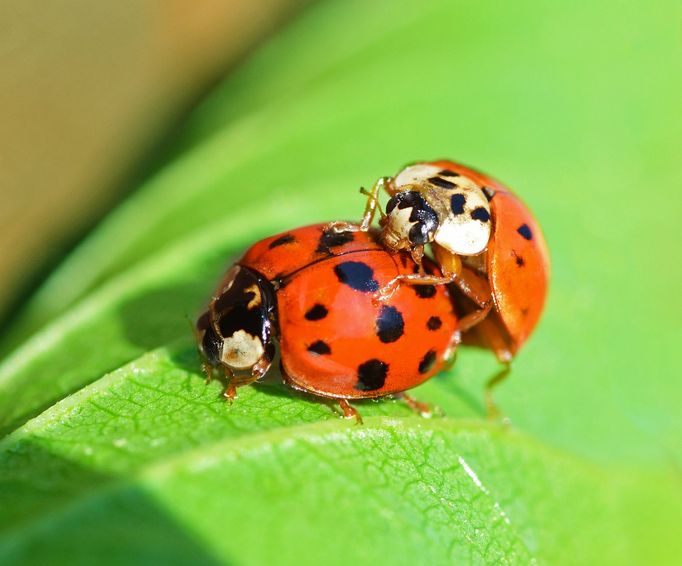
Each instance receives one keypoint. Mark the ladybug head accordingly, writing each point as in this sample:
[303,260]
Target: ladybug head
[236,332]
[409,221]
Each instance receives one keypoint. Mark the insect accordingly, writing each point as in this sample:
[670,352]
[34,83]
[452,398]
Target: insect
[310,292]
[484,239]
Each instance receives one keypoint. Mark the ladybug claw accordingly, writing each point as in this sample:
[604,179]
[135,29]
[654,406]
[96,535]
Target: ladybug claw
[384,294]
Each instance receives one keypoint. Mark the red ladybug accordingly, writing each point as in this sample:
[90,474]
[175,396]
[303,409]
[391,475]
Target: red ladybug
[311,291]
[484,239]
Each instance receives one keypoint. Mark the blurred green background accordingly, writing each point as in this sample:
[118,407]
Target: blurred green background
[115,449]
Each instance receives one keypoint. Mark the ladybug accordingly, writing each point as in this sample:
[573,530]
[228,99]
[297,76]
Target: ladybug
[484,239]
[309,293]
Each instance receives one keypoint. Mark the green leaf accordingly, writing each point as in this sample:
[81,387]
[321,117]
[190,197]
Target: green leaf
[151,449]
[111,434]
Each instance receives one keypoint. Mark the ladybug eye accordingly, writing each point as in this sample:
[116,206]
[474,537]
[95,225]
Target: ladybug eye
[420,235]
[211,345]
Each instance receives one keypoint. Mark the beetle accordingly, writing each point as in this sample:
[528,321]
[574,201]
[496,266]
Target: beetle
[483,238]
[309,293]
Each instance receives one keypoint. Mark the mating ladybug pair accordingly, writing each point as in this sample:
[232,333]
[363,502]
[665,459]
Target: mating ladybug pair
[359,312]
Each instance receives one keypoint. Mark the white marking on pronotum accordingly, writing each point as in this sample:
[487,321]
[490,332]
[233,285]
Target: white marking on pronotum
[479,484]
[241,350]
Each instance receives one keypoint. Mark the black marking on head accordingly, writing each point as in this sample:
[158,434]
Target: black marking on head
[426,363]
[357,275]
[481,214]
[320,348]
[442,183]
[434,323]
[231,312]
[424,291]
[390,325]
[371,375]
[331,239]
[448,173]
[488,192]
[457,202]
[525,231]
[317,312]
[282,240]
[424,217]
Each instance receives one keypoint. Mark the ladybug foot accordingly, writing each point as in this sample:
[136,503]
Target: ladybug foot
[230,394]
[340,227]
[385,293]
[423,409]
[349,412]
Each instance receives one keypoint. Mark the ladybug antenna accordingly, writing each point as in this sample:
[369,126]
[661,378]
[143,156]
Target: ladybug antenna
[374,198]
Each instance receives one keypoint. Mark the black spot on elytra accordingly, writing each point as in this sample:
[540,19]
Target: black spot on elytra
[282,240]
[424,217]
[317,312]
[331,239]
[434,323]
[442,183]
[525,231]
[319,347]
[448,173]
[481,214]
[389,324]
[457,202]
[356,275]
[519,260]
[488,192]
[427,361]
[371,375]
[424,291]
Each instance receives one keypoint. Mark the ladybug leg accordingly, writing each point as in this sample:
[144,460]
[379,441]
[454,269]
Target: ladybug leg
[492,409]
[475,288]
[207,369]
[424,409]
[349,412]
[230,392]
[387,291]
[491,335]
[371,207]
